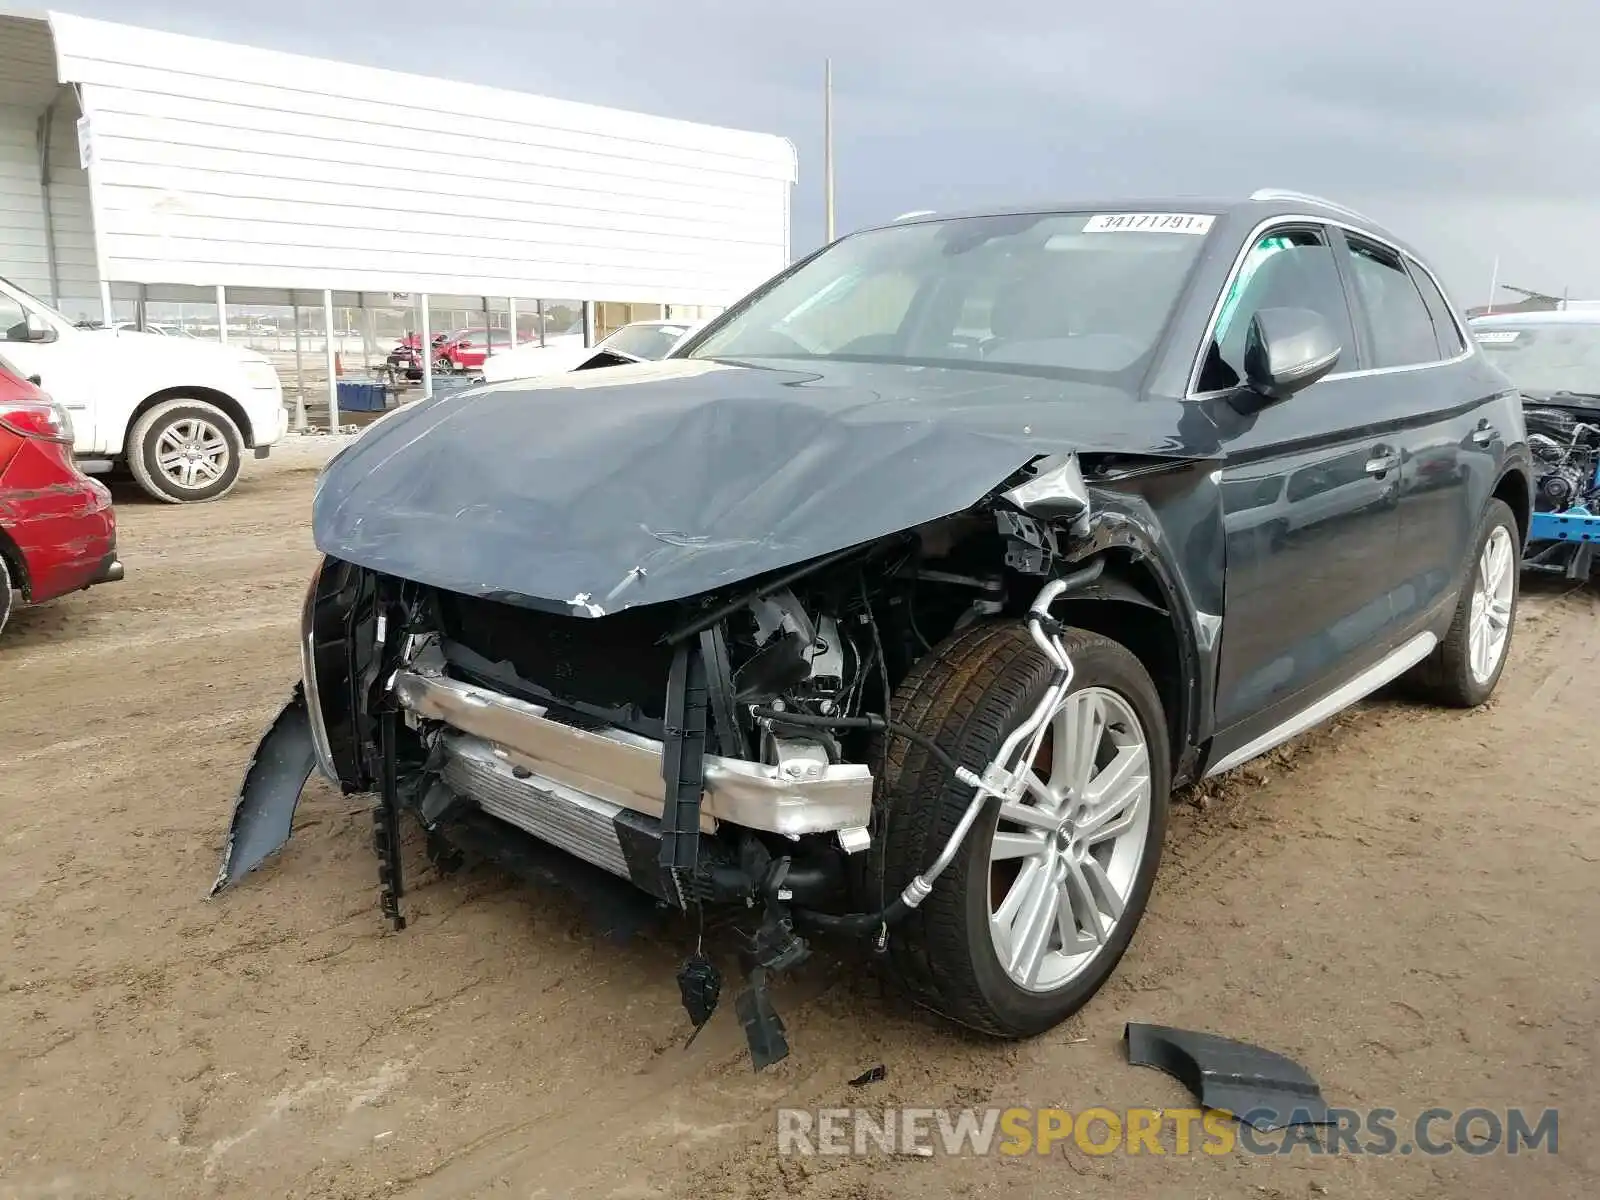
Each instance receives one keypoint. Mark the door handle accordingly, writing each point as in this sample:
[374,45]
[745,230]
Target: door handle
[1383,459]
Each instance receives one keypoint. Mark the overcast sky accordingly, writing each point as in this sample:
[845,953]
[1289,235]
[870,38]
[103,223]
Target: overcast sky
[1471,131]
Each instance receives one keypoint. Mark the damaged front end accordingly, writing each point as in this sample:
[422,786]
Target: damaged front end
[719,750]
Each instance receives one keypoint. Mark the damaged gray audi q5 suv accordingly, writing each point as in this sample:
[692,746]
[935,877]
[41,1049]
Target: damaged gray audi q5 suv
[896,601]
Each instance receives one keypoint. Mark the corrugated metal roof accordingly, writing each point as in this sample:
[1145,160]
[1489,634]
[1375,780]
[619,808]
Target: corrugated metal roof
[219,163]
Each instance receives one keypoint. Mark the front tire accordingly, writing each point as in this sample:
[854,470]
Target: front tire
[989,948]
[185,451]
[1464,669]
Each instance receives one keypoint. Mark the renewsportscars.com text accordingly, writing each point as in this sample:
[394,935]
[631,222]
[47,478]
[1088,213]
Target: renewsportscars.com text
[1162,1131]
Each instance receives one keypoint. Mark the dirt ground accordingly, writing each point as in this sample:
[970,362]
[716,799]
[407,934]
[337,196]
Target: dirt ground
[1405,901]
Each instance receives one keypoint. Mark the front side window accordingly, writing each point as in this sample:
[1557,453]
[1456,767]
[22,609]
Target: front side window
[1286,268]
[1401,329]
[1061,294]
[13,320]
[1543,358]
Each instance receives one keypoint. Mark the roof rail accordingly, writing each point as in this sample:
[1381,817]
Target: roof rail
[1306,198]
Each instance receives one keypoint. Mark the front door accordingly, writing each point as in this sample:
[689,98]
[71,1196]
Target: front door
[1310,508]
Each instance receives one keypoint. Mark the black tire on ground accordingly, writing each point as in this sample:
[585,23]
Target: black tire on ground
[5,592]
[968,695]
[1446,676]
[176,417]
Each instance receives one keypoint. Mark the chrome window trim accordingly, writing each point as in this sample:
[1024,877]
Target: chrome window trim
[1302,219]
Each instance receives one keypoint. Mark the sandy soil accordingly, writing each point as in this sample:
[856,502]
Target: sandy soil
[1406,901]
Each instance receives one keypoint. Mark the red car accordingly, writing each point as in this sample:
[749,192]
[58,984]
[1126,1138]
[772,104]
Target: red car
[58,533]
[468,349]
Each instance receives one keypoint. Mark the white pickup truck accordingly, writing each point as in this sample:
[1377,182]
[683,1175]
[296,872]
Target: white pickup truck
[177,413]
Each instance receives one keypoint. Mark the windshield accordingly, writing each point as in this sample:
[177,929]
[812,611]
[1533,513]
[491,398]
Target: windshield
[1550,357]
[36,302]
[1061,294]
[649,342]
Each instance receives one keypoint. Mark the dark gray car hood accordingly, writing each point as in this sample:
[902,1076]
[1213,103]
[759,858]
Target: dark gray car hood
[633,485]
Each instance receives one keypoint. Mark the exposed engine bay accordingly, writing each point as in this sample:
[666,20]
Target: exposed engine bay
[1565,442]
[1567,450]
[721,750]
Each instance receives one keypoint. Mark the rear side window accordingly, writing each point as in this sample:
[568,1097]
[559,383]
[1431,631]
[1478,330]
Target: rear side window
[1397,318]
[1451,342]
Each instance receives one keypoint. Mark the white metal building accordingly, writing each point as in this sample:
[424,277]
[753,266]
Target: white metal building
[138,166]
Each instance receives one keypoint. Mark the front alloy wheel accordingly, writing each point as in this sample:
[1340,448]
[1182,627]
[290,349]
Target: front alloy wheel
[1035,912]
[1064,860]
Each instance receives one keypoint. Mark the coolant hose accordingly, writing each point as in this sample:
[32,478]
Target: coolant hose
[898,909]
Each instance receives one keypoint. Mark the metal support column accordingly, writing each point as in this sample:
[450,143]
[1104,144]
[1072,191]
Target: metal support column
[333,375]
[511,321]
[222,313]
[588,323]
[425,343]
[299,377]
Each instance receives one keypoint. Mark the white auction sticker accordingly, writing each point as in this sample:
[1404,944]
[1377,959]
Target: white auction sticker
[1493,336]
[1196,223]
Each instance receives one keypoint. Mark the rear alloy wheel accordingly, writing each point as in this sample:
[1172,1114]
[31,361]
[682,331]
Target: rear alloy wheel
[1037,909]
[185,451]
[1464,669]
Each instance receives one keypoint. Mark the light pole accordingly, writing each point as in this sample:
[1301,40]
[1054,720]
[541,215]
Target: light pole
[827,144]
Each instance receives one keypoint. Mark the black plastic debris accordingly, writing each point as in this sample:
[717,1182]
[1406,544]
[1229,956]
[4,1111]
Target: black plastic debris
[700,985]
[763,1027]
[264,810]
[875,1074]
[1259,1087]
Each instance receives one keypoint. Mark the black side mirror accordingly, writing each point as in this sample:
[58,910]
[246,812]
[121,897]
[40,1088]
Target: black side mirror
[1286,350]
[36,380]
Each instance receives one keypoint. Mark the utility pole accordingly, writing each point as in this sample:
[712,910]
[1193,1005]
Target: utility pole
[827,143]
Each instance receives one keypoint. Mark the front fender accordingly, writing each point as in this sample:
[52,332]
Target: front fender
[1170,524]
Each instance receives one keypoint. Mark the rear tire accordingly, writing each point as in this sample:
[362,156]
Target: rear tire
[185,451]
[969,695]
[1454,675]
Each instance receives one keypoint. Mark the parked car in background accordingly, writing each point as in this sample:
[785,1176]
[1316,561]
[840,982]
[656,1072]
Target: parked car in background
[177,413]
[641,341]
[895,602]
[58,532]
[1554,359]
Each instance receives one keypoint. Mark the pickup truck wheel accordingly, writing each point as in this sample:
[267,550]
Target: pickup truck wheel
[185,451]
[1464,669]
[1038,906]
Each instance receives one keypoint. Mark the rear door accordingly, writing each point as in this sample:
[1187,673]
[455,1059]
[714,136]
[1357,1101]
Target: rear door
[1309,492]
[1439,416]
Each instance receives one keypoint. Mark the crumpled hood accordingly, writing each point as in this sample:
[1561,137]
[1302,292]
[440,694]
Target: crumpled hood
[638,484]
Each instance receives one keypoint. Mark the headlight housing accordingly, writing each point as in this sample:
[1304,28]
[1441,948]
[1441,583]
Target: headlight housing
[260,373]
